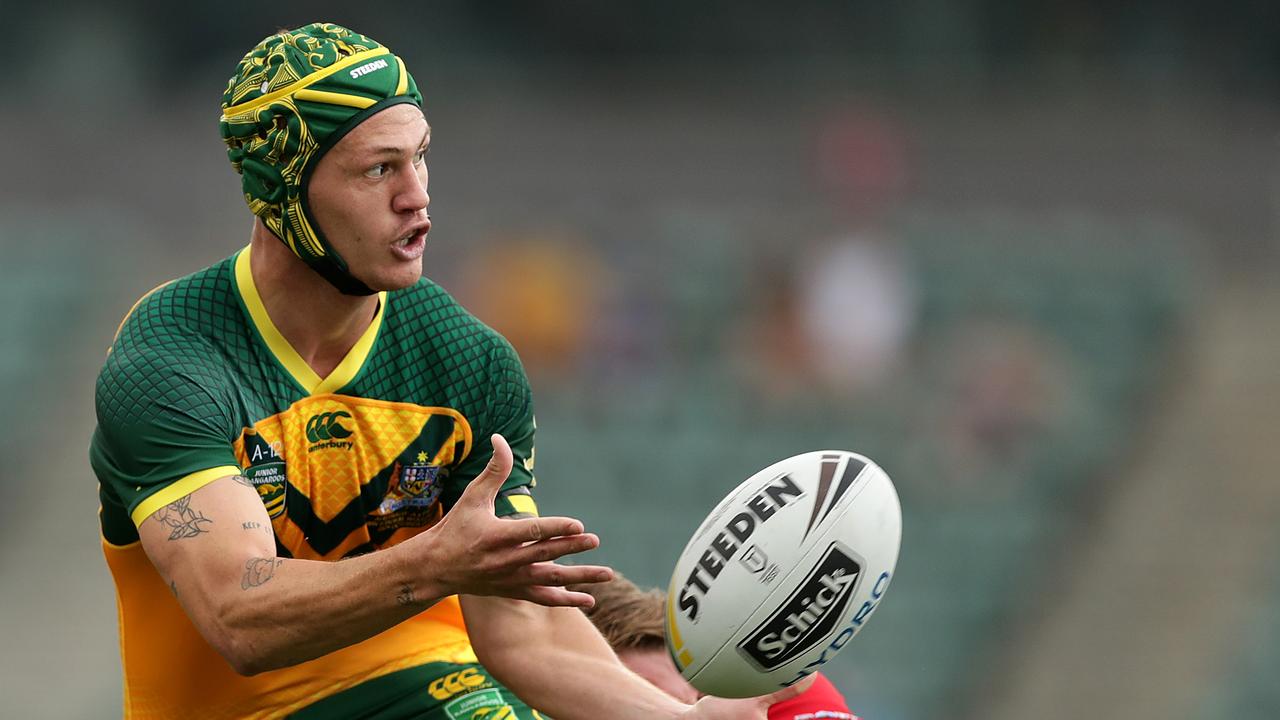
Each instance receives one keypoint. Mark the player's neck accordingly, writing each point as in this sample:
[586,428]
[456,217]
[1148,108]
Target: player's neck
[318,321]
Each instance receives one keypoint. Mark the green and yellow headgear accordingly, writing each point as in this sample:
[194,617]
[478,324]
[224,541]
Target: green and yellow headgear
[292,98]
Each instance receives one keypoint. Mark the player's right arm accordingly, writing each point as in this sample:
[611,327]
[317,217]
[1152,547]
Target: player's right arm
[163,452]
[216,550]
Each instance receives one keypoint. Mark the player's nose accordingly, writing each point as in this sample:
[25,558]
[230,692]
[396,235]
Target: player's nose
[413,196]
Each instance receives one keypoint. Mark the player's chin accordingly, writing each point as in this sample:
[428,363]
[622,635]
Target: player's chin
[405,277]
[396,275]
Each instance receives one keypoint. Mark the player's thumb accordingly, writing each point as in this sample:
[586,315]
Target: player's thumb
[495,473]
[788,693]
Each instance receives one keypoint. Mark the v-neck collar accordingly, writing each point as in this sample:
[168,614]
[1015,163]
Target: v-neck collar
[284,353]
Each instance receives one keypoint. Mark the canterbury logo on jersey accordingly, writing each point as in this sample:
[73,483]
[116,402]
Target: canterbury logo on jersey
[446,687]
[326,430]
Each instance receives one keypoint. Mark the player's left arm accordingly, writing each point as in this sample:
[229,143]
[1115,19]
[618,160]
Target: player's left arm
[558,663]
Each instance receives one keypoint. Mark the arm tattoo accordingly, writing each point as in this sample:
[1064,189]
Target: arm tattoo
[243,481]
[251,525]
[405,596]
[182,521]
[259,571]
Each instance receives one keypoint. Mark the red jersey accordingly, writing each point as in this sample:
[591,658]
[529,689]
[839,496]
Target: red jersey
[820,702]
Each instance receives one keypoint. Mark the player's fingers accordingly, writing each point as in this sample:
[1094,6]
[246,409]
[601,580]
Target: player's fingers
[554,548]
[485,487]
[541,528]
[550,574]
[558,597]
[788,693]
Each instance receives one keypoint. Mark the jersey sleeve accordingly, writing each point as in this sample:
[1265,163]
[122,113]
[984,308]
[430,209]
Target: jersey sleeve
[163,423]
[508,411]
[821,700]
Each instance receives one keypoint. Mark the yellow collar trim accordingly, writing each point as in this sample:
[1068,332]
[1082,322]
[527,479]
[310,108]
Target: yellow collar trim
[289,358]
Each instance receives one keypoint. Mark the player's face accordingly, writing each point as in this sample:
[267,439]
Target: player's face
[656,667]
[369,196]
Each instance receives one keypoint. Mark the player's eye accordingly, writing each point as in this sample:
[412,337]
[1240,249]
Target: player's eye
[421,157]
[376,171]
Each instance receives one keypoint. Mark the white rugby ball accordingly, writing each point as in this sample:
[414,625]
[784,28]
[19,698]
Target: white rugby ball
[783,573]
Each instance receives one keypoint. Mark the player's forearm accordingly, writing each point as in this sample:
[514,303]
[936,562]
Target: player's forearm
[216,550]
[555,660]
[571,685]
[282,612]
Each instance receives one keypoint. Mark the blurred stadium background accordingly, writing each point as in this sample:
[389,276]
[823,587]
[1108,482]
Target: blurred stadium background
[1024,255]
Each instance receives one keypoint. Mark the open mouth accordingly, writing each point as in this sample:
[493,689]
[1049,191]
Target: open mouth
[412,244]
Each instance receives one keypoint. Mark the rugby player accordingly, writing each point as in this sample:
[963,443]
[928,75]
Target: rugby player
[316,468]
[631,621]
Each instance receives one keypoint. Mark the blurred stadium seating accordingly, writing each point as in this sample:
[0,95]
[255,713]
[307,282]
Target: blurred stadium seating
[1248,688]
[55,266]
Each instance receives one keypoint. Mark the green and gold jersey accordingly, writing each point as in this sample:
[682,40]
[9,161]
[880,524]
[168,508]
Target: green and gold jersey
[199,384]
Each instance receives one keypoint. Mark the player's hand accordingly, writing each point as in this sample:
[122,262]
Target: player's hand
[476,553]
[756,708]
